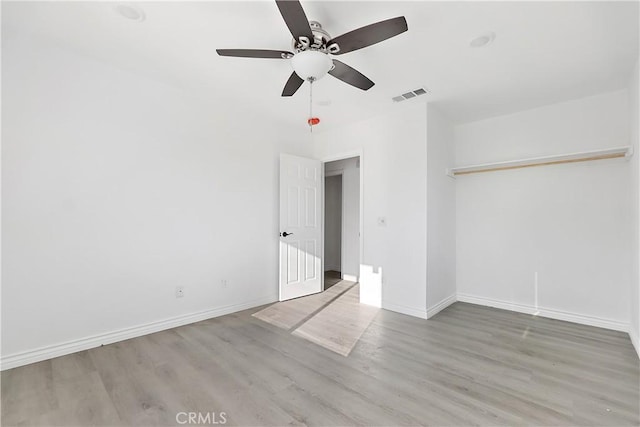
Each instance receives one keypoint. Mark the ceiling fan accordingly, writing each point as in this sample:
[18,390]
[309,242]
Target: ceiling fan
[312,47]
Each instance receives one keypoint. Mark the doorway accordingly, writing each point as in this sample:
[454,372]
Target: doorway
[341,221]
[317,197]
[332,228]
[302,224]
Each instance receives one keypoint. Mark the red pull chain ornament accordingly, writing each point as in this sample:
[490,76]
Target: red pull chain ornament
[313,121]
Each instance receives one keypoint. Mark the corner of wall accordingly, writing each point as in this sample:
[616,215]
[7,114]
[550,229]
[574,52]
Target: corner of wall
[634,131]
[441,213]
[441,305]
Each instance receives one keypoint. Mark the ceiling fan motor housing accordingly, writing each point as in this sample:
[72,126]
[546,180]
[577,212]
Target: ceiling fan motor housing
[319,42]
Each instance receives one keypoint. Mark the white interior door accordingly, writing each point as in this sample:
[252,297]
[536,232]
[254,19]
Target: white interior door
[300,226]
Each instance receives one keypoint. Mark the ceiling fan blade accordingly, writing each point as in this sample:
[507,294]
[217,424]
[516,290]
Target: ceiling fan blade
[295,18]
[292,85]
[350,75]
[254,53]
[371,34]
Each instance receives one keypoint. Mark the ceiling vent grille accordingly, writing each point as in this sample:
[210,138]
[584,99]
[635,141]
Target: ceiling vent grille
[411,94]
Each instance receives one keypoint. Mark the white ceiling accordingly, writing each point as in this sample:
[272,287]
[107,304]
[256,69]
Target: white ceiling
[544,52]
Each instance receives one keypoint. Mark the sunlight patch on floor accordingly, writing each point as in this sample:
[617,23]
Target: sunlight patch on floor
[333,319]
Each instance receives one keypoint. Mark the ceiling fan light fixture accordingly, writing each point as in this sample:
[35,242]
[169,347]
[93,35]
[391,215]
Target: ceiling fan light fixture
[311,64]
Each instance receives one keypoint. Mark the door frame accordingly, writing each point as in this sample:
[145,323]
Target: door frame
[342,156]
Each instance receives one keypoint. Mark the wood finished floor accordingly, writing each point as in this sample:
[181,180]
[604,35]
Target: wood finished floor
[469,365]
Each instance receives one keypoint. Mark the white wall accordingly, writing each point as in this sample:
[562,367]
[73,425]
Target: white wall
[116,189]
[634,125]
[569,224]
[441,213]
[394,167]
[332,222]
[350,170]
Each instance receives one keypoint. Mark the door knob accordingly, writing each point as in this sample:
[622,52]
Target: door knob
[285,234]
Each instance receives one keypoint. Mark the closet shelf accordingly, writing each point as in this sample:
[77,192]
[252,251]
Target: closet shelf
[584,156]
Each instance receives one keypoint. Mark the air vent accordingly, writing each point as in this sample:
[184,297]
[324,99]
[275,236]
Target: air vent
[411,94]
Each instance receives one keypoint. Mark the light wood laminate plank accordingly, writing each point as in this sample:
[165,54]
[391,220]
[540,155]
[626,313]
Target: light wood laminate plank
[469,365]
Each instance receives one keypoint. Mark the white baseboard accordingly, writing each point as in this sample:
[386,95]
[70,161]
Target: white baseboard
[403,309]
[350,278]
[49,352]
[432,311]
[635,339]
[546,312]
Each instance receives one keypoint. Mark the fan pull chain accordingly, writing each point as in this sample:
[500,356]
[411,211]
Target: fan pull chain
[312,121]
[311,105]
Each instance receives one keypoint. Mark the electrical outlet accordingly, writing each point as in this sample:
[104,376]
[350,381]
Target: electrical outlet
[179,291]
[223,283]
